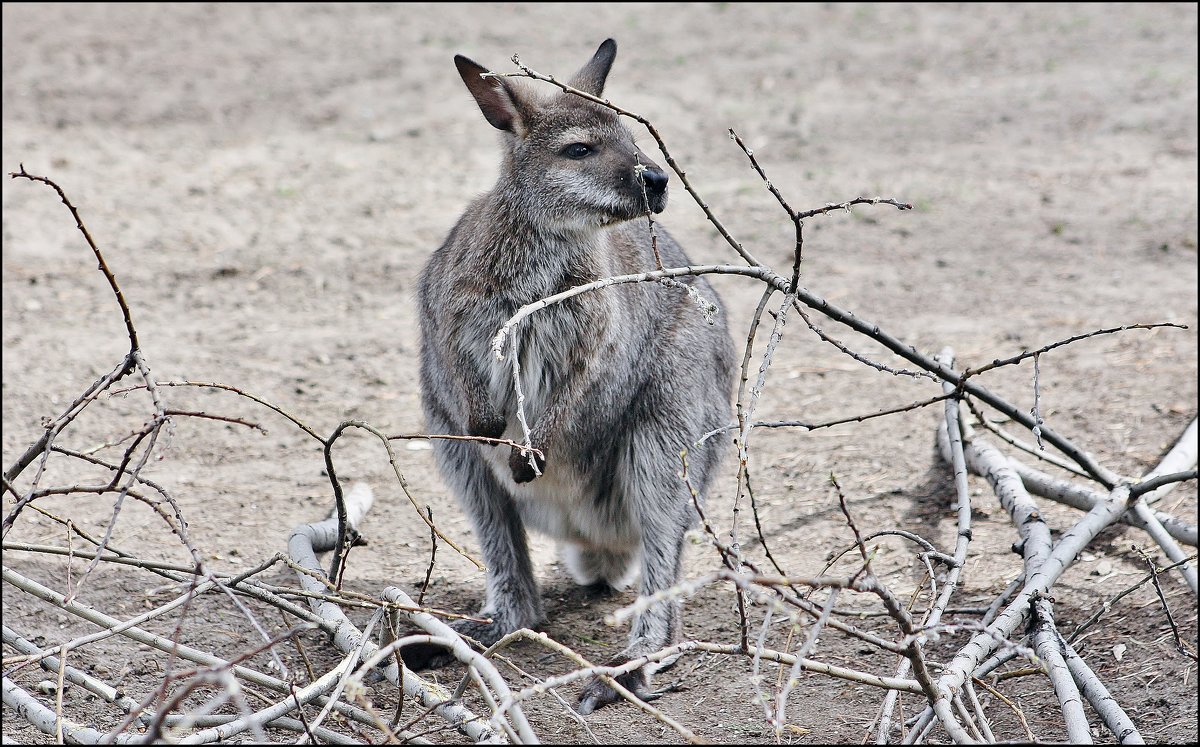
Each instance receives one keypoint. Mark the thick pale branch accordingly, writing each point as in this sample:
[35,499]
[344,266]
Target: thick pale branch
[1085,499]
[1180,457]
[1164,540]
[1061,558]
[1049,648]
[1098,696]
[30,709]
[155,641]
[308,539]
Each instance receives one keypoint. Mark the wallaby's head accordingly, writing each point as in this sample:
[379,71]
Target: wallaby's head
[570,163]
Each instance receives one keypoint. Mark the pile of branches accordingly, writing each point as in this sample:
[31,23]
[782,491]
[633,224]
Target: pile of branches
[201,696]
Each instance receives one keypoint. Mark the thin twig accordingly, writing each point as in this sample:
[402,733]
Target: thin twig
[1162,599]
[432,559]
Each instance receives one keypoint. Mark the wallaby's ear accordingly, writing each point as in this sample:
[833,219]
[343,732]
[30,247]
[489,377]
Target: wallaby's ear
[591,77]
[498,101]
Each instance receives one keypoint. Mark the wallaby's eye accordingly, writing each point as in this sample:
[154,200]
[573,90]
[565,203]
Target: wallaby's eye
[578,151]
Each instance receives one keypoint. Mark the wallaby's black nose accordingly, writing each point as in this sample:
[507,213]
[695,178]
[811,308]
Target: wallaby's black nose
[656,181]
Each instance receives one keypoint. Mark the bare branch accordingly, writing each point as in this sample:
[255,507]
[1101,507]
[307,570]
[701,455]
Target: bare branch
[103,265]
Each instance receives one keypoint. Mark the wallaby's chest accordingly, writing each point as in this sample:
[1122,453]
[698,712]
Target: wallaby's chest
[551,347]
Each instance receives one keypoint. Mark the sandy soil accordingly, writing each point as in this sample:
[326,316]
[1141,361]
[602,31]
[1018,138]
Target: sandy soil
[267,181]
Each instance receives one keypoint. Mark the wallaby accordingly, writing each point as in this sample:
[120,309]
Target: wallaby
[617,382]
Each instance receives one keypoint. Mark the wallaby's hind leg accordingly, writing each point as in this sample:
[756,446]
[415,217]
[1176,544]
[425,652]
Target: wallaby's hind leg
[654,628]
[589,566]
[512,595]
[664,511]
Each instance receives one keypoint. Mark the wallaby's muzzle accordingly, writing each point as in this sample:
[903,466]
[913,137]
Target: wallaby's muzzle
[656,188]
[655,182]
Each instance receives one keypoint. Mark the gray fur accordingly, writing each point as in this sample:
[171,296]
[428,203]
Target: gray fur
[617,382]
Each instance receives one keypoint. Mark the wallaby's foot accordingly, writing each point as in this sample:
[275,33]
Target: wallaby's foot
[521,469]
[598,693]
[419,656]
[600,590]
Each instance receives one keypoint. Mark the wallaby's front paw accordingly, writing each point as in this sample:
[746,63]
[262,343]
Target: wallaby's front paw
[598,693]
[489,426]
[522,471]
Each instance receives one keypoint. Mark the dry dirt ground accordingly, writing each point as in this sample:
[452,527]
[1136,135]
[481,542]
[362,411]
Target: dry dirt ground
[266,182]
